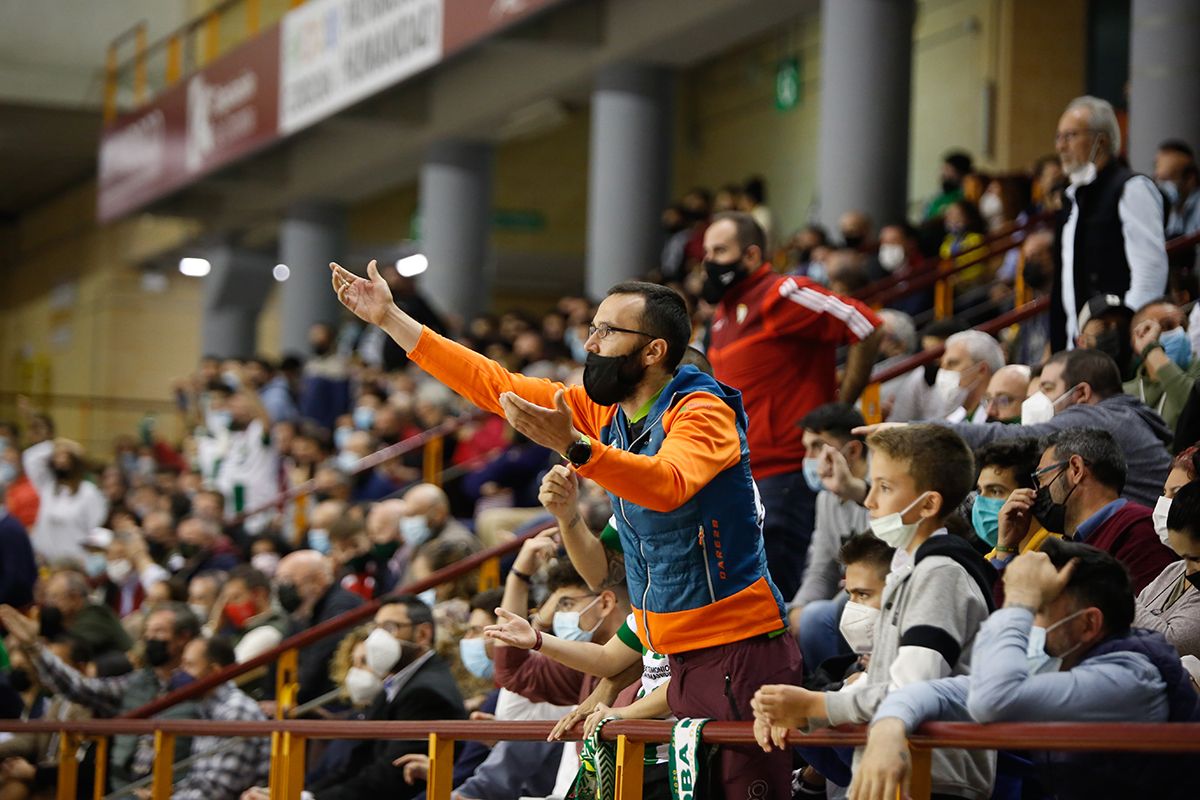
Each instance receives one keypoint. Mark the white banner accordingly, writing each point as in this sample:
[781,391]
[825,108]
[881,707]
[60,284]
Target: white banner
[334,53]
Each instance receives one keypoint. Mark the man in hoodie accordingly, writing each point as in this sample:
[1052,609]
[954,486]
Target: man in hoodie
[937,595]
[1061,650]
[669,445]
[1090,382]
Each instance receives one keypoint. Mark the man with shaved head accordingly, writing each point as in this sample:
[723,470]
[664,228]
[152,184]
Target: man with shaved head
[307,591]
[1005,393]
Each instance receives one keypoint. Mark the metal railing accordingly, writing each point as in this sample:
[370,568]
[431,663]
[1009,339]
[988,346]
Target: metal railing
[289,737]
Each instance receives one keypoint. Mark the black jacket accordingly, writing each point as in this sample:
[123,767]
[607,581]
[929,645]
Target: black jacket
[314,659]
[430,694]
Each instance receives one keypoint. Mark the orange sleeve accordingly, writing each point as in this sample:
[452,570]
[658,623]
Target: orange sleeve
[701,441]
[482,381]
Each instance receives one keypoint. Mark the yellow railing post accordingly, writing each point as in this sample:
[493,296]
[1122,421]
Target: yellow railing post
[921,785]
[283,745]
[100,781]
[174,59]
[164,764]
[292,769]
[139,64]
[489,574]
[68,765]
[872,408]
[943,292]
[110,85]
[441,767]
[212,37]
[433,461]
[253,16]
[630,766]
[287,682]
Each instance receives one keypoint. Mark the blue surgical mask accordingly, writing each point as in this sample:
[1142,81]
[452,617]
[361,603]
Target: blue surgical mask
[1177,346]
[428,597]
[8,473]
[218,421]
[566,624]
[364,418]
[318,539]
[346,460]
[985,517]
[811,477]
[474,657]
[341,437]
[95,564]
[415,531]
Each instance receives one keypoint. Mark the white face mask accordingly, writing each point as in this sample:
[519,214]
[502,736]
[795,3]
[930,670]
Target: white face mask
[1162,507]
[892,529]
[1039,660]
[118,571]
[891,256]
[362,686]
[991,206]
[858,626]
[1036,409]
[1085,173]
[947,386]
[428,597]
[566,624]
[200,611]
[383,651]
[415,530]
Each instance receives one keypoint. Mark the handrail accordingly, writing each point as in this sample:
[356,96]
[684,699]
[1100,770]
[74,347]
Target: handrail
[1111,737]
[931,264]
[331,626]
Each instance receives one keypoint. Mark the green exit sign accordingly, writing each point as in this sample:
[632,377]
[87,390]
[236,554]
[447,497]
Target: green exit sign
[787,84]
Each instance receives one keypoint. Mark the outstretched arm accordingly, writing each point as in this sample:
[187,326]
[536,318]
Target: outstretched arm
[604,661]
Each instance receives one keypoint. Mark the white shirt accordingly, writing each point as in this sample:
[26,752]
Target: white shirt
[64,518]
[250,467]
[1141,212]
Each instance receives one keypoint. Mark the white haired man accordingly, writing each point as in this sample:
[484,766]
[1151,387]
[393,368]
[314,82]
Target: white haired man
[1111,238]
[968,364]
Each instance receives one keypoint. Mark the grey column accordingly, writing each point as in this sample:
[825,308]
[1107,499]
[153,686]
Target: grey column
[456,213]
[234,292]
[628,169]
[312,235]
[866,79]
[1164,77]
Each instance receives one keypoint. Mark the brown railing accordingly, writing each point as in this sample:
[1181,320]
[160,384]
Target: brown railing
[289,737]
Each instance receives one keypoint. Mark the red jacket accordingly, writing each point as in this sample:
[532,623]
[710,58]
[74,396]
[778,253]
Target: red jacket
[1128,536]
[775,338]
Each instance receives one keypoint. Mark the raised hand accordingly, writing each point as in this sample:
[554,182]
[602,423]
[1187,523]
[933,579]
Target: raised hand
[513,630]
[1015,517]
[549,427]
[559,493]
[22,628]
[1032,580]
[368,298]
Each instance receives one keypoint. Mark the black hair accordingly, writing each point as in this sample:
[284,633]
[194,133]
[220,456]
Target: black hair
[1098,449]
[251,577]
[756,189]
[1098,580]
[836,418]
[1019,455]
[418,612]
[1184,516]
[906,227]
[561,574]
[748,232]
[1098,370]
[697,359]
[664,316]
[866,547]
[263,362]
[943,328]
[219,650]
[185,622]
[487,601]
[960,160]
[1177,146]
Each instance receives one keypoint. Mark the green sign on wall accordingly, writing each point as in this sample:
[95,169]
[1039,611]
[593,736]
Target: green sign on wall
[787,84]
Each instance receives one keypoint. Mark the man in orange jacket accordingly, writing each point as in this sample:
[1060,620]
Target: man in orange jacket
[668,443]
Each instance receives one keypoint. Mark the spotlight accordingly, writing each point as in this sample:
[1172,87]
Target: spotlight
[281,272]
[194,267]
[412,265]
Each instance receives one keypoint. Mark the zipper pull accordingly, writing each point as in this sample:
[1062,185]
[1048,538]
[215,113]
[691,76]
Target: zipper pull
[700,536]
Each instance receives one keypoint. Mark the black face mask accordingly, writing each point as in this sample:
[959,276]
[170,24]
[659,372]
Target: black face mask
[384,551]
[1036,275]
[19,679]
[931,371]
[1051,515]
[359,563]
[719,277]
[62,473]
[610,379]
[188,550]
[853,240]
[1194,580]
[156,652]
[50,622]
[1109,343]
[949,185]
[289,598]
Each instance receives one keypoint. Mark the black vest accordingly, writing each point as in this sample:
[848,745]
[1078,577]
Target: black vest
[1100,265]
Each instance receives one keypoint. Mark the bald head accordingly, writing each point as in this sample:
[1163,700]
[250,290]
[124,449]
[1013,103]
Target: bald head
[428,501]
[309,571]
[383,521]
[1006,391]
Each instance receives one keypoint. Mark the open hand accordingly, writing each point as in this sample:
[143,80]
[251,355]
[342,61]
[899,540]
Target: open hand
[415,766]
[368,298]
[511,630]
[22,628]
[549,427]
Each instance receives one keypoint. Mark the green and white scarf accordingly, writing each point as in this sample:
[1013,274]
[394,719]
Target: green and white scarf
[687,758]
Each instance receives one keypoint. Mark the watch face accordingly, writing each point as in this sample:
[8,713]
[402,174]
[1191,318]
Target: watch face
[579,452]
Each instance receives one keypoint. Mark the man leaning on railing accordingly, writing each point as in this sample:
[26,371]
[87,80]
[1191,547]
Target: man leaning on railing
[669,445]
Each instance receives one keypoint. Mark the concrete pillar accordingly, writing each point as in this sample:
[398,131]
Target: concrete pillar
[234,292]
[312,235]
[628,170]
[1164,77]
[456,217]
[866,80]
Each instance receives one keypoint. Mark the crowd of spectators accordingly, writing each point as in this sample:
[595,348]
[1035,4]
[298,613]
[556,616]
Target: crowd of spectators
[1020,540]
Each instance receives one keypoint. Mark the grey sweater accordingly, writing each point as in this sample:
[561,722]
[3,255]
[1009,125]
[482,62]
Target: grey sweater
[1181,622]
[1141,434]
[836,521]
[928,623]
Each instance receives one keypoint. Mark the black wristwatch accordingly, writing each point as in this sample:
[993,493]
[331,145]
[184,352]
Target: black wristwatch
[580,451]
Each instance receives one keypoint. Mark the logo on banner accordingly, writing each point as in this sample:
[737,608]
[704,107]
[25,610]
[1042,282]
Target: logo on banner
[219,116]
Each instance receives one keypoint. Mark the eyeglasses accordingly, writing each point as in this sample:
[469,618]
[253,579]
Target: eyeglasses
[391,627]
[1070,136]
[603,330]
[1046,470]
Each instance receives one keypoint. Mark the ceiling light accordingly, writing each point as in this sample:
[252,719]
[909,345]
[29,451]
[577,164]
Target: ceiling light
[281,272]
[412,265]
[194,267]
